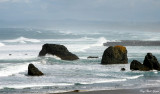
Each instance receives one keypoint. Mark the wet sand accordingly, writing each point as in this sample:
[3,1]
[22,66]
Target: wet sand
[153,90]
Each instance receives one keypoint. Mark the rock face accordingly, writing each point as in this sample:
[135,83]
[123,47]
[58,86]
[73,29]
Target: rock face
[115,55]
[58,50]
[150,63]
[136,65]
[33,71]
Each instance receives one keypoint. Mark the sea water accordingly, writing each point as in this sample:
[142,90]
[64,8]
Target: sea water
[20,47]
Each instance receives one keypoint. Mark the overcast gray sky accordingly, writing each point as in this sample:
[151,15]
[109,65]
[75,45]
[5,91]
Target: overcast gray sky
[79,10]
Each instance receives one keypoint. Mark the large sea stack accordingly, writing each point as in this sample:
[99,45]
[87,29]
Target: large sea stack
[150,63]
[33,71]
[58,50]
[115,55]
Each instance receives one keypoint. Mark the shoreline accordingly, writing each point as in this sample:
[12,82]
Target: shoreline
[148,90]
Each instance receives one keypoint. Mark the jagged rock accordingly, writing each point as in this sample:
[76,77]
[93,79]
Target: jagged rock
[92,57]
[33,71]
[115,55]
[151,62]
[58,50]
[136,65]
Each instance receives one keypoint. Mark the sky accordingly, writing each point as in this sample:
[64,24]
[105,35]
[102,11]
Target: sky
[21,12]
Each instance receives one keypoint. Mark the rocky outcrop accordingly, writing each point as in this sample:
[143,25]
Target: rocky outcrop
[58,50]
[33,71]
[136,65]
[150,63]
[115,55]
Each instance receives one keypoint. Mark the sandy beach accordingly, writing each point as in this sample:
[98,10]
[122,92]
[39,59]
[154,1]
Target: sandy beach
[152,90]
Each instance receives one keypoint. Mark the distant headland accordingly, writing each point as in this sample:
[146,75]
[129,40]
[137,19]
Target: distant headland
[133,43]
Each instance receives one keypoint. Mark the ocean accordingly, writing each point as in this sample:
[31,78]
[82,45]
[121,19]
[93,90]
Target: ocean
[21,46]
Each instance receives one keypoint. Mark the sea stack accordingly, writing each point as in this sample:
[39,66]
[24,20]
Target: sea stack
[33,71]
[59,50]
[136,65]
[150,63]
[115,55]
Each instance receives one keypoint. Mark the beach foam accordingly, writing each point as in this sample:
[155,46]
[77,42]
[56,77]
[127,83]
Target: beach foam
[134,77]
[33,85]
[104,81]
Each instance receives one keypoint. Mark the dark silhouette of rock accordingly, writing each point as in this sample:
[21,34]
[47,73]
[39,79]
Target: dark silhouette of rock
[123,69]
[92,57]
[33,71]
[136,65]
[151,62]
[58,50]
[115,55]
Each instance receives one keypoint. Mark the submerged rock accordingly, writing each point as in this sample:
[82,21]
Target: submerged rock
[115,55]
[33,71]
[92,57]
[58,50]
[150,63]
[136,65]
[123,69]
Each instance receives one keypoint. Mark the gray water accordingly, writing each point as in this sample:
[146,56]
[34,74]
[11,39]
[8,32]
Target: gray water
[24,45]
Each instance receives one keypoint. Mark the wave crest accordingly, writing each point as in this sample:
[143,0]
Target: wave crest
[23,40]
[2,44]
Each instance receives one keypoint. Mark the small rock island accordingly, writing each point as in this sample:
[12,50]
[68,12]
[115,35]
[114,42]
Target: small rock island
[59,50]
[115,55]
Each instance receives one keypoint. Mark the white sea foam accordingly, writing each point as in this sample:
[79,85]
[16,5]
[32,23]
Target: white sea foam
[10,70]
[104,81]
[53,56]
[14,69]
[83,47]
[134,77]
[23,40]
[2,44]
[21,86]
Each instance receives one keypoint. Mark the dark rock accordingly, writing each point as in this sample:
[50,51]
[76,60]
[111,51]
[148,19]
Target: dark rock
[115,55]
[33,71]
[92,57]
[151,62]
[136,65]
[76,91]
[123,69]
[58,50]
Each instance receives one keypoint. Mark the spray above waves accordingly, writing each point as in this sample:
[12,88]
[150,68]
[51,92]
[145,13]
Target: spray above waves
[82,47]
[14,69]
[22,40]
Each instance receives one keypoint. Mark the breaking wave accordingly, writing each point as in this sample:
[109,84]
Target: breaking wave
[23,40]
[2,44]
